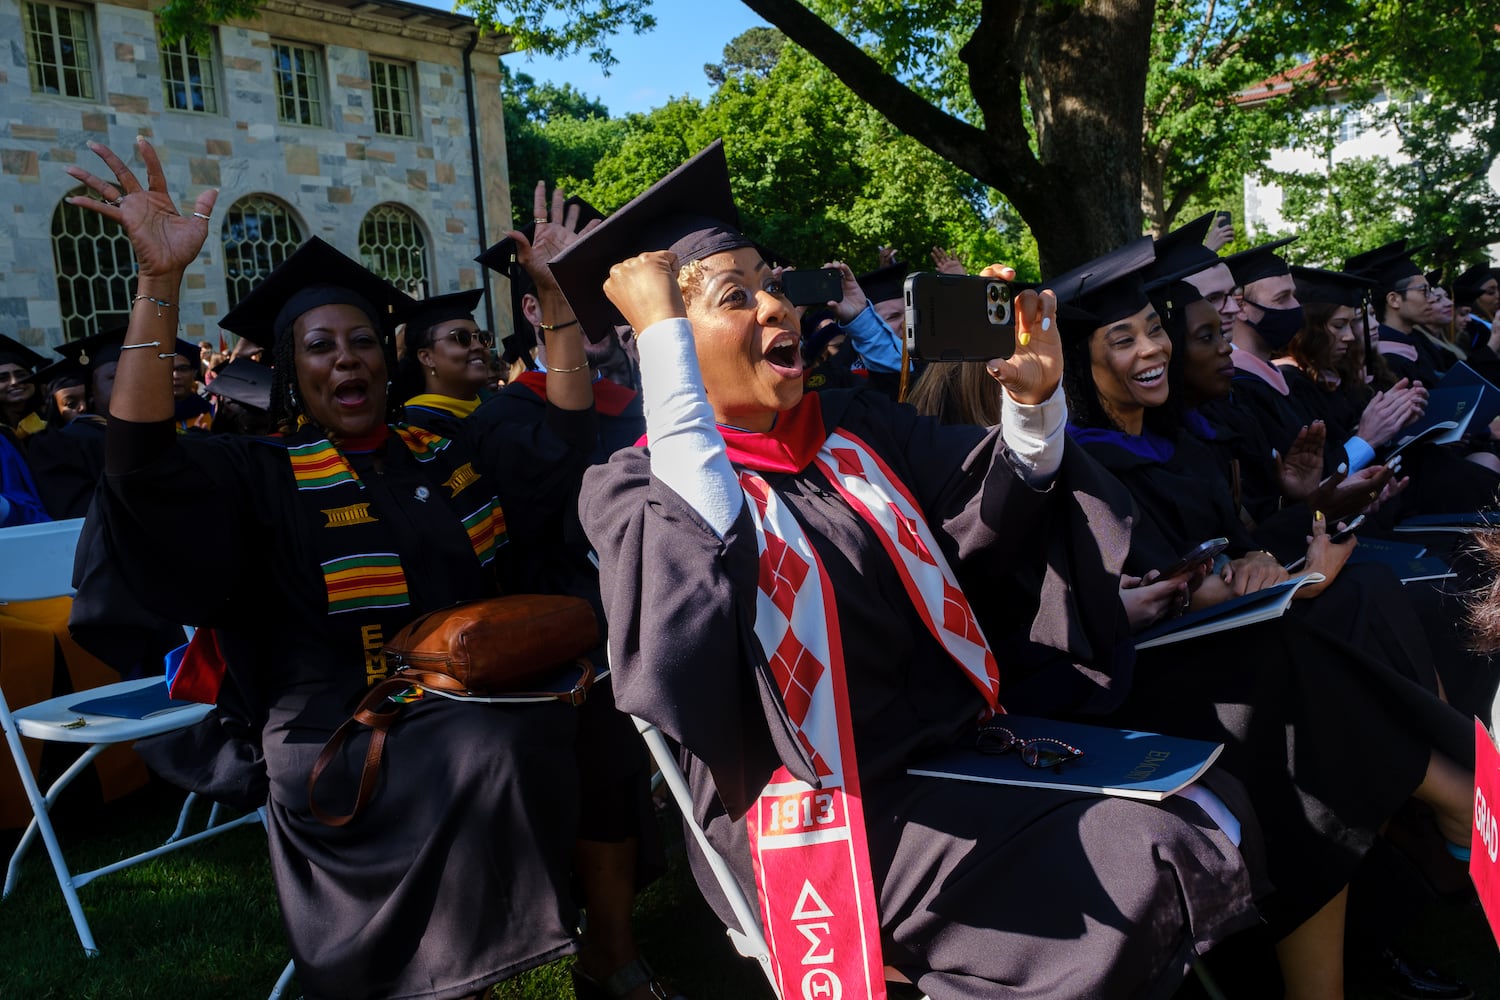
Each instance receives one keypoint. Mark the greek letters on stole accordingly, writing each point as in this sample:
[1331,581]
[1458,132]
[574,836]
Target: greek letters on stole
[808,844]
[362,575]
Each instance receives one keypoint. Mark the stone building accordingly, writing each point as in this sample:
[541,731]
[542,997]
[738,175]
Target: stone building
[374,124]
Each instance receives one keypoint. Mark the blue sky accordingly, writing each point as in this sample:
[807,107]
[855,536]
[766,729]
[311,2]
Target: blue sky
[653,68]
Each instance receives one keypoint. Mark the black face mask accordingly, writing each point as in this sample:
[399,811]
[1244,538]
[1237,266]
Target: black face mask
[1278,326]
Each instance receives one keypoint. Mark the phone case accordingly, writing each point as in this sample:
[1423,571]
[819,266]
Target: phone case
[959,317]
[813,287]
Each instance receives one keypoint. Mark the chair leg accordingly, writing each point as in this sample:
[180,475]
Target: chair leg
[13,871]
[182,817]
[283,980]
[43,823]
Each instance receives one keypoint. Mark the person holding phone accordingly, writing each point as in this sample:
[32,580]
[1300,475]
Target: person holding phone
[755,521]
[1301,701]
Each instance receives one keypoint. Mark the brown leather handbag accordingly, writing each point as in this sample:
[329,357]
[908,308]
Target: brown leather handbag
[502,649]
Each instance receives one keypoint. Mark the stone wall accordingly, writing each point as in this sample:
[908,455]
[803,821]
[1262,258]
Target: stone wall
[329,176]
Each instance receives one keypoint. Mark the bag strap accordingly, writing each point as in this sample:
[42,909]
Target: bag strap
[379,713]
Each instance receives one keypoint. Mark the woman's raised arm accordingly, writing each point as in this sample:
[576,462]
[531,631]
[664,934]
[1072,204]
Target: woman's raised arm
[165,242]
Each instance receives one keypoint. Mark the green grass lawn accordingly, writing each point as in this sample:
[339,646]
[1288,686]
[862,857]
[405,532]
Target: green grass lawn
[204,923]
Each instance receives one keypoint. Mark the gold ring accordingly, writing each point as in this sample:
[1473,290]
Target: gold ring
[540,218]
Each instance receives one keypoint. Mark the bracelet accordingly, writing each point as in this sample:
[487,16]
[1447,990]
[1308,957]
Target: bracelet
[159,303]
[149,343]
[569,371]
[549,327]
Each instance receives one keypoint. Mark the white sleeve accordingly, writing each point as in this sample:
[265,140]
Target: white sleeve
[687,450]
[1035,434]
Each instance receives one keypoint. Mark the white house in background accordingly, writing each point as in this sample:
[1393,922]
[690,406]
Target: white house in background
[1361,134]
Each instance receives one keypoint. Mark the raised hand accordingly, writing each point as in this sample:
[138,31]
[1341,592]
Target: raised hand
[556,229]
[164,240]
[1301,469]
[1032,373]
[854,299]
[946,263]
[644,289]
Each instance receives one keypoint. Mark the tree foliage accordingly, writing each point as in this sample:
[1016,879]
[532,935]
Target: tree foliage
[752,52]
[562,27]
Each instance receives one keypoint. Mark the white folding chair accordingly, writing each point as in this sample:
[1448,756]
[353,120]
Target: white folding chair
[36,563]
[748,939]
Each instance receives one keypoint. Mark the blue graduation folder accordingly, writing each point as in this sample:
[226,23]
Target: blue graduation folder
[139,704]
[1120,762]
[1247,609]
[1409,562]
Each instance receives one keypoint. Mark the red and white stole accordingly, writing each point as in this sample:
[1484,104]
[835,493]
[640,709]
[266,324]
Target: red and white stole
[812,864]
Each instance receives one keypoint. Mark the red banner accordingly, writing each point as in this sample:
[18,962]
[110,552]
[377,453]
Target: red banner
[1484,862]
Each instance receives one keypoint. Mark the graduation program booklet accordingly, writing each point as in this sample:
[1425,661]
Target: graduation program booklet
[1409,562]
[1236,612]
[1449,410]
[1121,762]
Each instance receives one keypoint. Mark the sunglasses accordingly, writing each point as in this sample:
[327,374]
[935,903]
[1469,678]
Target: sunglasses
[463,338]
[1041,752]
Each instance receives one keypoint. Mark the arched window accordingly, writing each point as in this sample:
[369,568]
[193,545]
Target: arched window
[392,245]
[95,269]
[259,233]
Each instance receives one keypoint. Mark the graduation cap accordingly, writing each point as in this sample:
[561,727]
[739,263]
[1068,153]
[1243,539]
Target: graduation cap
[1258,262]
[440,309]
[314,275]
[246,382]
[517,347]
[1104,290]
[1334,287]
[188,349]
[885,283]
[1181,252]
[1467,286]
[13,352]
[91,352]
[60,369]
[690,211]
[1386,264]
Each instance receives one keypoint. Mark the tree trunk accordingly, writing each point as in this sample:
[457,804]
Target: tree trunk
[1086,82]
[1084,70]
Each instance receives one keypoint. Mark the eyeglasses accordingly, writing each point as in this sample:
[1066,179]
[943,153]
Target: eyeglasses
[1041,752]
[463,338]
[1431,291]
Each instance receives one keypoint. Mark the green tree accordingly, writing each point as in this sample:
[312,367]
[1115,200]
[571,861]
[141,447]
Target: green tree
[754,51]
[552,133]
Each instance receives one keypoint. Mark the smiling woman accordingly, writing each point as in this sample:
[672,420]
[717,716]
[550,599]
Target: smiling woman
[445,361]
[346,529]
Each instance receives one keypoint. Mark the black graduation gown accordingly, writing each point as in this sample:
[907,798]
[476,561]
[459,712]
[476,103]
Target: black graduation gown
[68,463]
[1048,893]
[1329,714]
[453,877]
[1427,367]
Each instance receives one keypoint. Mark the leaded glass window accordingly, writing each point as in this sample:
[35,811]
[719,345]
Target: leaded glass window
[259,233]
[95,269]
[392,245]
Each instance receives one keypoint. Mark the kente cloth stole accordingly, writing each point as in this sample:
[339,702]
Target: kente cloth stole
[358,571]
[812,864]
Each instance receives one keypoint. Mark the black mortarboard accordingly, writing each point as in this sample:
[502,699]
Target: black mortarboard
[1182,251]
[99,349]
[246,382]
[1386,264]
[13,352]
[1104,290]
[1333,287]
[314,275]
[1258,262]
[517,347]
[440,309]
[690,212]
[885,283]
[188,349]
[63,368]
[1466,286]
